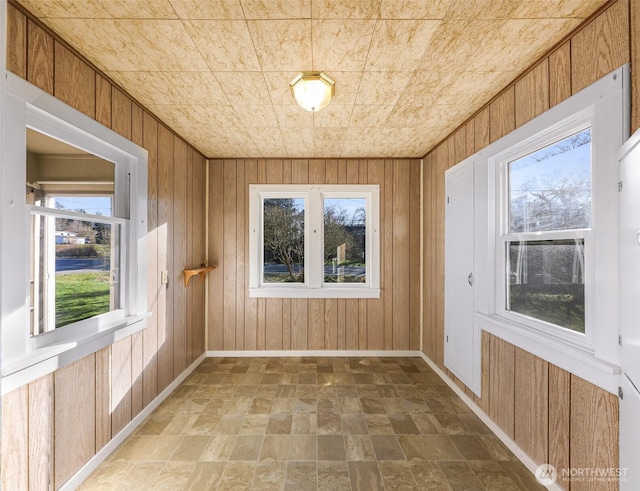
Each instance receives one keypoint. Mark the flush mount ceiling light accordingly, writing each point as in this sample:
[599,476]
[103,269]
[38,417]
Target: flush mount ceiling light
[312,90]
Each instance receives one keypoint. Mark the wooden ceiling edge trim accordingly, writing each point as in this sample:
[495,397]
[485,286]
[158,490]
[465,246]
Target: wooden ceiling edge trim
[56,37]
[416,159]
[580,27]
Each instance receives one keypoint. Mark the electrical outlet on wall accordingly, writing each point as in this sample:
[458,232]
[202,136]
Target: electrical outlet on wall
[164,277]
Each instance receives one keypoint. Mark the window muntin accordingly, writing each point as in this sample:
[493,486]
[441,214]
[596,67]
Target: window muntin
[319,216]
[345,223]
[283,240]
[548,216]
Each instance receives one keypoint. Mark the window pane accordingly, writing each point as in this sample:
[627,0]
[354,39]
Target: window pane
[75,271]
[546,281]
[344,240]
[283,240]
[550,189]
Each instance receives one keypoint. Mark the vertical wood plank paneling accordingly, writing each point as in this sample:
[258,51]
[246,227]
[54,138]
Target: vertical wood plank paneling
[532,93]
[40,57]
[433,239]
[195,229]
[560,74]
[16,42]
[315,327]
[120,384]
[103,397]
[531,402]
[198,245]
[75,417]
[287,178]
[40,420]
[442,156]
[362,303]
[386,257]
[460,144]
[75,81]
[103,101]
[559,419]
[179,236]
[216,255]
[154,288]
[261,309]
[401,260]
[502,115]
[414,255]
[230,252]
[15,439]
[594,432]
[375,306]
[250,304]
[600,47]
[481,129]
[165,257]
[352,307]
[501,384]
[426,256]
[470,140]
[241,226]
[137,357]
[485,391]
[121,113]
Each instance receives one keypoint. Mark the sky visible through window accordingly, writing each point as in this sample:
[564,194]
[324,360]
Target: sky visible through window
[95,205]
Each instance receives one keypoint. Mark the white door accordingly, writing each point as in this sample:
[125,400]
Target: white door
[629,437]
[458,292]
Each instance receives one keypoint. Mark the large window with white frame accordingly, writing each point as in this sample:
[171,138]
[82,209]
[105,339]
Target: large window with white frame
[552,226]
[314,241]
[74,244]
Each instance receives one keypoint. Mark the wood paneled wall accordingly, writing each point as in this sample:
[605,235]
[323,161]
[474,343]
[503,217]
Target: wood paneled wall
[237,322]
[83,405]
[539,405]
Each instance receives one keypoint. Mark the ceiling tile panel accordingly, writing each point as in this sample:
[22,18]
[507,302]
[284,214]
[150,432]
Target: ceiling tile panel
[244,87]
[282,45]
[333,115]
[276,9]
[346,9]
[399,44]
[341,45]
[256,116]
[218,10]
[381,88]
[132,45]
[292,117]
[102,9]
[225,45]
[414,9]
[176,88]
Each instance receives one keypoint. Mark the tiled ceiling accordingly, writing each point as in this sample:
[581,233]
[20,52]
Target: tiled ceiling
[407,72]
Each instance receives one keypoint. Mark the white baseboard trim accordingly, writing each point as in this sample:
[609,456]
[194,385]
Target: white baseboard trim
[84,472]
[499,432]
[314,353]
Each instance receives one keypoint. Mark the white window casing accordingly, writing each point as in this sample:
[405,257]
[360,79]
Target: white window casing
[26,357]
[604,108]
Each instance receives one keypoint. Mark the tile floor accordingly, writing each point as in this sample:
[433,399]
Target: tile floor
[298,424]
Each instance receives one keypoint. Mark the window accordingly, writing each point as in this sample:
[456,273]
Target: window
[314,241]
[546,257]
[549,218]
[73,245]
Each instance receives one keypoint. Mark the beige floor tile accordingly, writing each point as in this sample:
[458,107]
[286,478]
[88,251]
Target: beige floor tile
[429,476]
[359,447]
[219,448]
[460,476]
[331,447]
[148,449]
[301,476]
[492,475]
[303,447]
[174,475]
[108,476]
[304,424]
[333,476]
[386,447]
[269,476]
[247,448]
[365,476]
[205,475]
[275,447]
[428,447]
[191,448]
[397,476]
[255,424]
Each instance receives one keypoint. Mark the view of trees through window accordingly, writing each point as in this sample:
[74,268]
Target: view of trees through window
[344,240]
[550,190]
[283,240]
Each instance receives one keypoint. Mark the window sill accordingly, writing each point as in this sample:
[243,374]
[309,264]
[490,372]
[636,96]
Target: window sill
[279,292]
[54,356]
[578,361]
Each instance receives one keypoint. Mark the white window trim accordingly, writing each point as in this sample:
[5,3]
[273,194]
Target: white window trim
[314,286]
[605,105]
[25,358]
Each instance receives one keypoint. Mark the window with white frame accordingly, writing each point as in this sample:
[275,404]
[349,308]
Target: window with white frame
[547,226]
[314,241]
[74,244]
[552,231]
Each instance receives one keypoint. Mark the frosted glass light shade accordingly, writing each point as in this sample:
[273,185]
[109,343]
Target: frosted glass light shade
[312,90]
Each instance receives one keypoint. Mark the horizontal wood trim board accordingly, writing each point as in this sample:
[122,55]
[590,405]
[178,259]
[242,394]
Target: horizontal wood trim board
[316,354]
